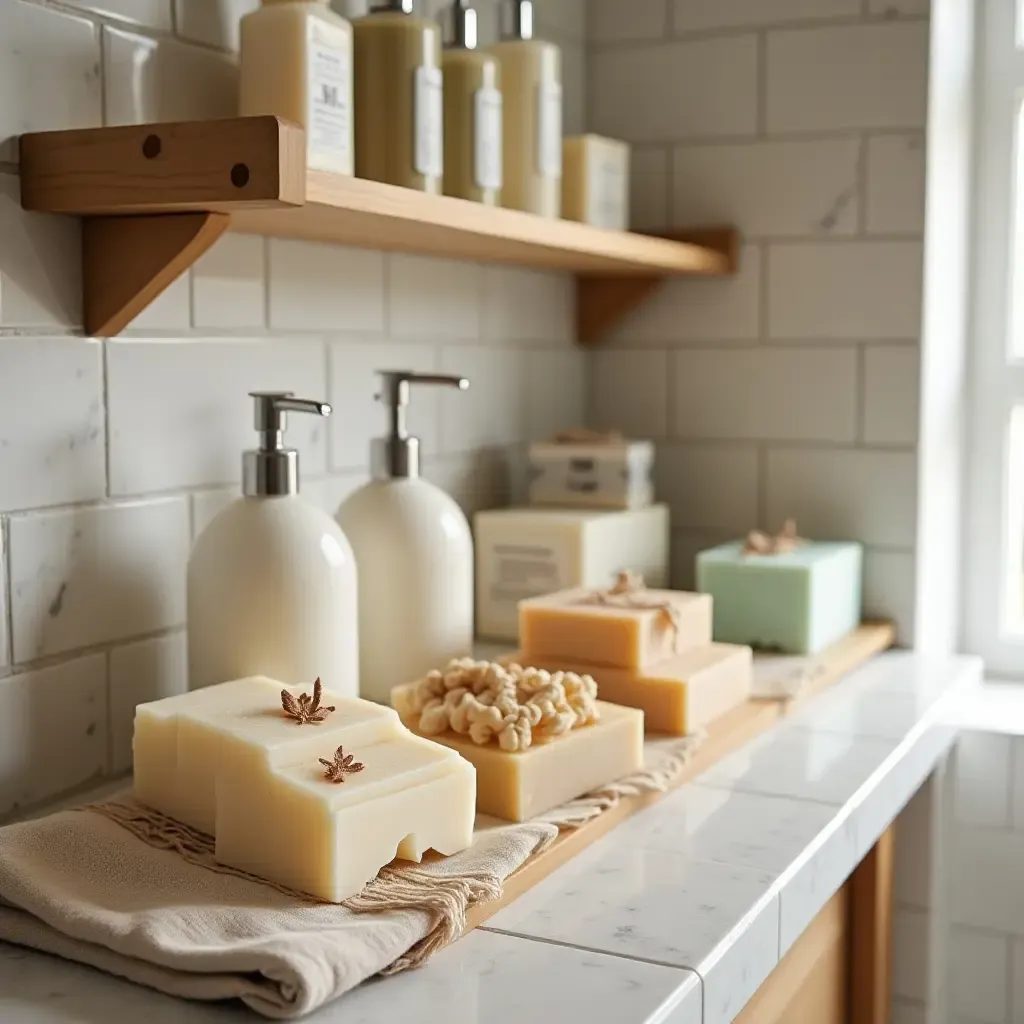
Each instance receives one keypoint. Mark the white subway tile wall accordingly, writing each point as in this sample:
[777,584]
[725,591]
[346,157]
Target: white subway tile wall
[791,389]
[115,454]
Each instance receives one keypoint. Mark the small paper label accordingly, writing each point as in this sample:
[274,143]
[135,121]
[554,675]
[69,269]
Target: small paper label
[428,144]
[487,140]
[329,98]
[607,197]
[549,129]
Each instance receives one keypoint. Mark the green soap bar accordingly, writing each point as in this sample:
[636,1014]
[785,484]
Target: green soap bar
[799,602]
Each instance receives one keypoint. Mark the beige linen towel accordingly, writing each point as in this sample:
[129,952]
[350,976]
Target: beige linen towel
[132,892]
[85,887]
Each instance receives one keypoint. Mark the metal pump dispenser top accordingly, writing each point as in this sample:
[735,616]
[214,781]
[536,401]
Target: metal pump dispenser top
[399,6]
[460,26]
[516,19]
[273,470]
[398,453]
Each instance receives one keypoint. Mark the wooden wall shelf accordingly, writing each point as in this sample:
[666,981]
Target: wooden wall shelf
[156,197]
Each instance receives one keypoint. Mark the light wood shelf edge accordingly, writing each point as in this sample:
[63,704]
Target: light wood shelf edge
[252,170]
[729,733]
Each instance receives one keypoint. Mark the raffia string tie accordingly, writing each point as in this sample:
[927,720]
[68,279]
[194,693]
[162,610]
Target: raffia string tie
[785,541]
[628,592]
[583,435]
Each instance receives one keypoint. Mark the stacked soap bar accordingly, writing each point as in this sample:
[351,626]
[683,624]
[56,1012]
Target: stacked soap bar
[797,601]
[650,650]
[278,794]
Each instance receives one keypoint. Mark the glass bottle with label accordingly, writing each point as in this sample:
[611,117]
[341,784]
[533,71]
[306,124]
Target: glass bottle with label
[296,62]
[531,84]
[398,97]
[472,112]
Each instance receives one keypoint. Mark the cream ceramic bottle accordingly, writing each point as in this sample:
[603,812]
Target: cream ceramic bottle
[531,84]
[415,556]
[472,112]
[296,62]
[398,97]
[272,579]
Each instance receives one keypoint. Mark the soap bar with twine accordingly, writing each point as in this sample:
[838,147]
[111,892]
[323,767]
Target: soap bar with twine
[623,626]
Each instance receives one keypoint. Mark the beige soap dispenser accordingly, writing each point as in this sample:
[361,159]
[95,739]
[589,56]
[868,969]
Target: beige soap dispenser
[296,62]
[472,112]
[414,551]
[272,579]
[398,97]
[531,84]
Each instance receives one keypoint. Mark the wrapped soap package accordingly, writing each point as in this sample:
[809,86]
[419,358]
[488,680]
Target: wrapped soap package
[551,742]
[526,552]
[314,791]
[796,597]
[613,473]
[646,649]
[595,181]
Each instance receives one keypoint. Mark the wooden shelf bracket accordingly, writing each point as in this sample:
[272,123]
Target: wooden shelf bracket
[603,301]
[128,261]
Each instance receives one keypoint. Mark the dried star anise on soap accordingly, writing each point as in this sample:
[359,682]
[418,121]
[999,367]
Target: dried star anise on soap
[342,765]
[305,708]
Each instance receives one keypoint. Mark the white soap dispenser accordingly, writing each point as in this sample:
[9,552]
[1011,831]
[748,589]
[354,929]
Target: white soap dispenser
[272,579]
[414,551]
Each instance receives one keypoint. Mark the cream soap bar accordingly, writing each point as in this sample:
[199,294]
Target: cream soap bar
[595,181]
[680,696]
[229,761]
[520,785]
[527,552]
[631,631]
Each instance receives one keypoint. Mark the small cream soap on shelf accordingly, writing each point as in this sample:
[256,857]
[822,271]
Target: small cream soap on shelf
[527,552]
[537,739]
[311,790]
[595,181]
[592,469]
[782,593]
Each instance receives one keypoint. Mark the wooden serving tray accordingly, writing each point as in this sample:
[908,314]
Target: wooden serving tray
[730,732]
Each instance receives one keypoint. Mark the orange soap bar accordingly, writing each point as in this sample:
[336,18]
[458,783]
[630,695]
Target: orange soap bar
[680,696]
[569,625]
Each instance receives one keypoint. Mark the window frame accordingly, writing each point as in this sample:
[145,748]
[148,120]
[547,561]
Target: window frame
[994,523]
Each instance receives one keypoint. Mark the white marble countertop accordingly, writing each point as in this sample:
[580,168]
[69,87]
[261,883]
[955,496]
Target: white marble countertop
[676,917]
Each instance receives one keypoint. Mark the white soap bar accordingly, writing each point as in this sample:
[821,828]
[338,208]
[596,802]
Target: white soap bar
[228,761]
[617,476]
[523,553]
[595,181]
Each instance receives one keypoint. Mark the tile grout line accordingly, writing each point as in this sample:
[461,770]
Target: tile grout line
[860,388]
[7,588]
[723,32]
[762,84]
[862,184]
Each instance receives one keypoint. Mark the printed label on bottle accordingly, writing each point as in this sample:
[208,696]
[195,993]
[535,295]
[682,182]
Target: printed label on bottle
[607,197]
[428,129]
[549,129]
[329,92]
[487,142]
